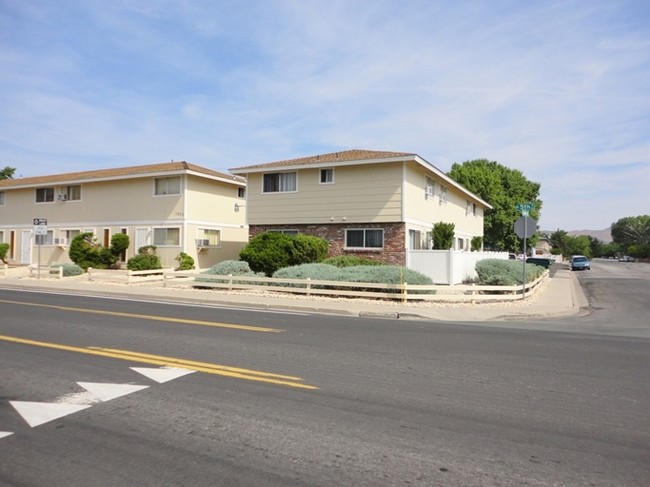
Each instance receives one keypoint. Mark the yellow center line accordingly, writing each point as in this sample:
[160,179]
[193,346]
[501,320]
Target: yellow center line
[149,317]
[205,367]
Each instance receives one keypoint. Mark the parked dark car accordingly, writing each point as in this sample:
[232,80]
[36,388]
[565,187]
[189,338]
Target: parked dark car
[626,258]
[542,261]
[580,262]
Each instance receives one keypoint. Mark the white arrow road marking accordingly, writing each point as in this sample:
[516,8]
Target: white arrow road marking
[164,374]
[4,434]
[106,392]
[37,413]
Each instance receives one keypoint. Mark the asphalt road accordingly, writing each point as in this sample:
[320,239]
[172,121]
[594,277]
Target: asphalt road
[296,399]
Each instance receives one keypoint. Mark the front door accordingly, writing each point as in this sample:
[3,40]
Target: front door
[141,238]
[26,247]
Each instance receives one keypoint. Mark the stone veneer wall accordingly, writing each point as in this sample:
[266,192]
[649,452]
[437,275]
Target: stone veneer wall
[394,251]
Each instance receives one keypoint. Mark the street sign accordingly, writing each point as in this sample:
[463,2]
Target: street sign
[525,227]
[525,208]
[40,226]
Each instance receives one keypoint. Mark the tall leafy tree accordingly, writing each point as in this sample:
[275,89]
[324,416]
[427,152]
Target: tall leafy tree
[632,230]
[7,173]
[503,188]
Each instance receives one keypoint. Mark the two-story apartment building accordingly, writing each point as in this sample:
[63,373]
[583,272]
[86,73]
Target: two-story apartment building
[366,203]
[176,206]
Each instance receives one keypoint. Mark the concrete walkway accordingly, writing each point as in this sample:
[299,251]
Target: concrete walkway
[560,296]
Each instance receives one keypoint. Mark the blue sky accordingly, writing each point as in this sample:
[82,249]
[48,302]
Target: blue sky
[557,89]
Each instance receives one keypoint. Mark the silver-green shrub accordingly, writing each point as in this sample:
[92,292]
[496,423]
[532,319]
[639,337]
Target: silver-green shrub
[69,270]
[226,268]
[500,272]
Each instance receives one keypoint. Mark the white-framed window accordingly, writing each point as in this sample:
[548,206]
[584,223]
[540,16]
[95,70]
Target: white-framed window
[167,237]
[326,176]
[47,239]
[209,237]
[364,238]
[2,236]
[415,240]
[2,198]
[474,209]
[241,192]
[167,186]
[44,195]
[443,195]
[468,207]
[279,182]
[71,193]
[429,190]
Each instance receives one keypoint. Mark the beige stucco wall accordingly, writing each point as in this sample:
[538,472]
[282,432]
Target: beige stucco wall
[109,207]
[422,211]
[358,194]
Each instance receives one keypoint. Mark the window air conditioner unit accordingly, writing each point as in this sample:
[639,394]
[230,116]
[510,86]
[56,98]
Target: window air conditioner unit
[61,241]
[202,243]
[63,197]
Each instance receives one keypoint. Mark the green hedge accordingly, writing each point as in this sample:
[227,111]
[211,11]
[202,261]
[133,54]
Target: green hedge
[350,261]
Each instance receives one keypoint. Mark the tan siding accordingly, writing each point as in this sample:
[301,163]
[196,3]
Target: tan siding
[357,194]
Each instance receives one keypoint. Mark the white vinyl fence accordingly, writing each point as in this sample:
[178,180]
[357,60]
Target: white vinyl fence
[449,266]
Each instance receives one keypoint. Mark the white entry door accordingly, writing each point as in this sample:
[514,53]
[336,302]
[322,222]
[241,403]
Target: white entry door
[141,238]
[26,247]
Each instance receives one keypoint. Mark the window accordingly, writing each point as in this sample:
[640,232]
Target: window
[71,193]
[45,239]
[2,236]
[371,238]
[209,237]
[2,197]
[241,192]
[44,195]
[165,186]
[279,182]
[327,176]
[443,195]
[468,207]
[166,236]
[474,209]
[415,240]
[429,190]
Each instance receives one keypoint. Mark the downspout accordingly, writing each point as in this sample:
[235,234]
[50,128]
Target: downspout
[407,254]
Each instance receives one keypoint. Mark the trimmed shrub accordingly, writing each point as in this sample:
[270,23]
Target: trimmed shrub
[476,244]
[119,243]
[228,267]
[185,262]
[384,274]
[500,272]
[270,251]
[69,270]
[144,262]
[350,261]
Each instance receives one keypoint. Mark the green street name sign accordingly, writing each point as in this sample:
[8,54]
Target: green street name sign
[525,208]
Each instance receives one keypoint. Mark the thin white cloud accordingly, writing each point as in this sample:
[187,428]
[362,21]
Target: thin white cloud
[556,89]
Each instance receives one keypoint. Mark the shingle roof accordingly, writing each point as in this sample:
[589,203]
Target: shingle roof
[118,173]
[334,157]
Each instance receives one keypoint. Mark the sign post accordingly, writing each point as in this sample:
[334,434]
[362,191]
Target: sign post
[524,227]
[40,232]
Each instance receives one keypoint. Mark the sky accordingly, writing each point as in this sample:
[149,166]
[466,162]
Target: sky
[559,90]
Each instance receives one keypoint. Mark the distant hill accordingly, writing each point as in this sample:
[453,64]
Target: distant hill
[602,235]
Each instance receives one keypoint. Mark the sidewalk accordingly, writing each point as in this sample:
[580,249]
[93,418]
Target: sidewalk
[561,295]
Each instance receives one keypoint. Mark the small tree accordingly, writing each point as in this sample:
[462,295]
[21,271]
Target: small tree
[86,252]
[4,248]
[476,244]
[443,236]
